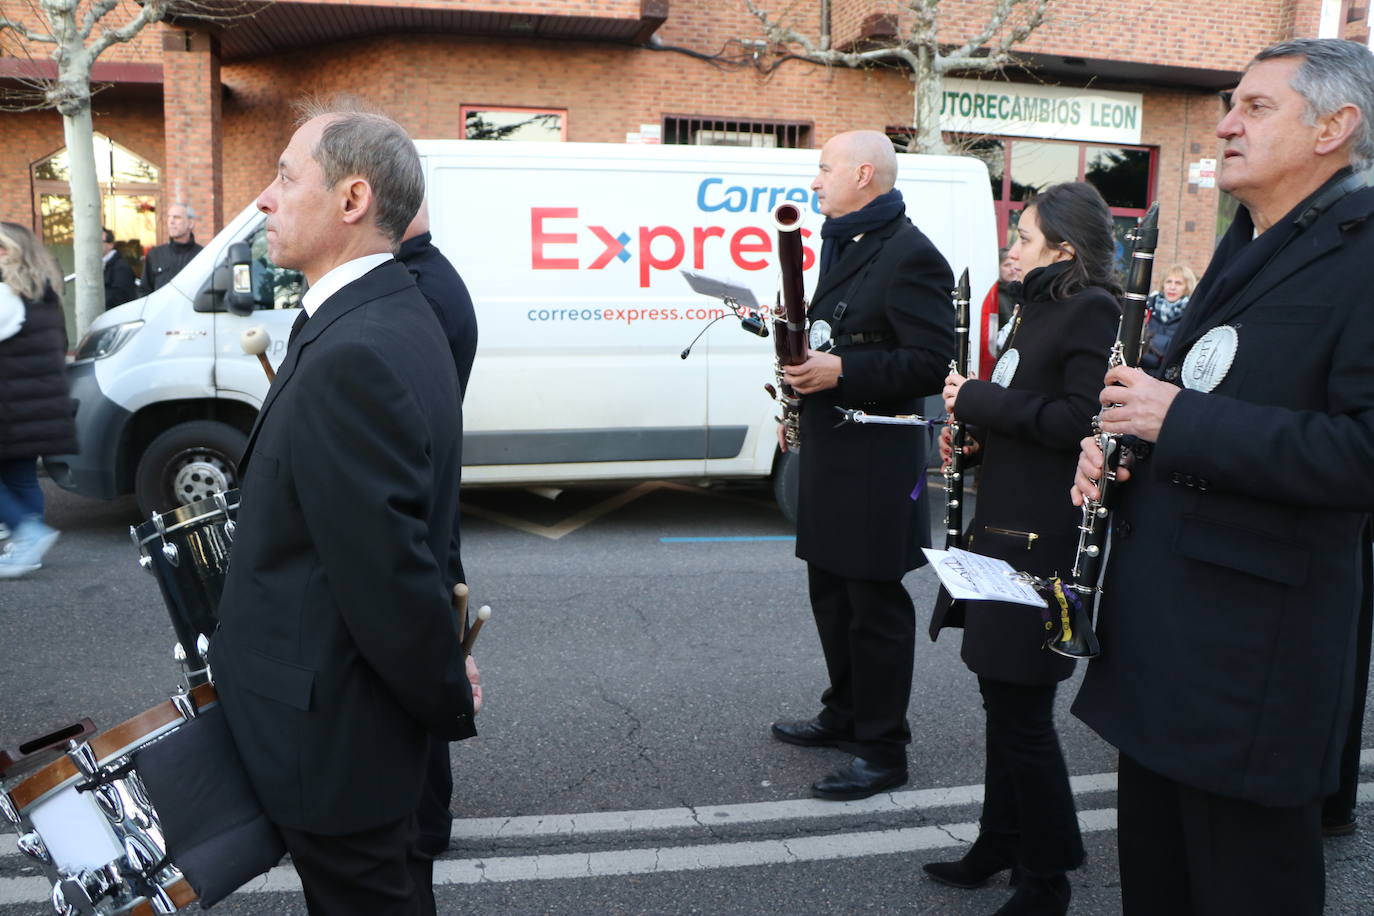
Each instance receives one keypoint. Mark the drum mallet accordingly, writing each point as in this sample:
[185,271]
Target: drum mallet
[460,604]
[255,342]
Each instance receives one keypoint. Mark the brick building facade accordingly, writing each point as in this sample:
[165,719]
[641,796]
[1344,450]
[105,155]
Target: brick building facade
[201,109]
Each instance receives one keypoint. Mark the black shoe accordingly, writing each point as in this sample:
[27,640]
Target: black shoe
[809,733]
[1038,895]
[990,854]
[1339,826]
[860,779]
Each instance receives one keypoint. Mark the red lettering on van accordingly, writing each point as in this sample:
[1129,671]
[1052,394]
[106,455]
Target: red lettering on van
[647,260]
[539,237]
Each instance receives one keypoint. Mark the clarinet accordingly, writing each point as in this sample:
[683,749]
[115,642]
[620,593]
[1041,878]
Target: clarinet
[1075,637]
[954,470]
[789,319]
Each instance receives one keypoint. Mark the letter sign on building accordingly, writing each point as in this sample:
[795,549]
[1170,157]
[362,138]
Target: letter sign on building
[998,108]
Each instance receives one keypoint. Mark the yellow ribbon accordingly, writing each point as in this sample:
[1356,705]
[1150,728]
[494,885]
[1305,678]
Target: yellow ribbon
[1063,611]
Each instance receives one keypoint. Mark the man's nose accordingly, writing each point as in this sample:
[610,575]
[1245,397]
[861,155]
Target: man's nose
[265,202]
[1229,125]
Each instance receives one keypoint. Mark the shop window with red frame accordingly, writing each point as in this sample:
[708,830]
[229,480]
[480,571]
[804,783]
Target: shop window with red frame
[502,122]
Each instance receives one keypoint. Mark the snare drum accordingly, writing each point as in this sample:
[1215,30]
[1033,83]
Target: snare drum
[87,820]
[187,551]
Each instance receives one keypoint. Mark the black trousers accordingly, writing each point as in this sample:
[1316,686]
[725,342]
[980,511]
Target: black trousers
[1339,807]
[377,872]
[868,635]
[1026,786]
[435,818]
[1187,852]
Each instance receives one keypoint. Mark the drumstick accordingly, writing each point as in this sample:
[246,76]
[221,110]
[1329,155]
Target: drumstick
[255,342]
[460,601]
[483,615]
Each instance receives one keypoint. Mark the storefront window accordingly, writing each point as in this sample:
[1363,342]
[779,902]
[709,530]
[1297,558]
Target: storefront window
[539,124]
[1019,169]
[1122,175]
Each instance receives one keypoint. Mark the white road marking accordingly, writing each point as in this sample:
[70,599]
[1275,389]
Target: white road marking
[695,857]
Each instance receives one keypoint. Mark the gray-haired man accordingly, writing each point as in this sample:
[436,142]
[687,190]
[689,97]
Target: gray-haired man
[337,656]
[165,261]
[1238,556]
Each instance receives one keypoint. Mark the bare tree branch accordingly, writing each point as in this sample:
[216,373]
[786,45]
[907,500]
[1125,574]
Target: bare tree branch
[28,34]
[152,11]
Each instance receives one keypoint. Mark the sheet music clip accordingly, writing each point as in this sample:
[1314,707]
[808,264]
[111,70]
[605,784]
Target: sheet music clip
[738,299]
[850,415]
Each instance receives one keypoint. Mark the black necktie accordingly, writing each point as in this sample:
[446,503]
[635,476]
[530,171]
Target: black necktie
[297,325]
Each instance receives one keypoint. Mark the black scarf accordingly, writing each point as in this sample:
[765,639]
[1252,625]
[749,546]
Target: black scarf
[838,232]
[1037,285]
[1241,255]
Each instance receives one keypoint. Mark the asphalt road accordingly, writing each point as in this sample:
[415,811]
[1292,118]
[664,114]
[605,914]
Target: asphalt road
[642,641]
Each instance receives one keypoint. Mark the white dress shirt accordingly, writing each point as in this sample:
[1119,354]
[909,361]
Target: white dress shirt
[338,278]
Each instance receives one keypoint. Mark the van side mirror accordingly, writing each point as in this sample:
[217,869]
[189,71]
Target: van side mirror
[238,298]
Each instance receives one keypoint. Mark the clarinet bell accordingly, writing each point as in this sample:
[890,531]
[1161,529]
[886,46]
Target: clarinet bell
[1073,636]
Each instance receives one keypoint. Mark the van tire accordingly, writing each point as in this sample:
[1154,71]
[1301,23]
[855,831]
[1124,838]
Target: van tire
[188,462]
[787,484]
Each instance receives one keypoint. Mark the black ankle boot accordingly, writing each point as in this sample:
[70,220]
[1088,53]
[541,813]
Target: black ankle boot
[989,854]
[1038,895]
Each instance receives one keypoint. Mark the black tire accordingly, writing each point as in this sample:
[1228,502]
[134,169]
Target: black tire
[186,463]
[787,484]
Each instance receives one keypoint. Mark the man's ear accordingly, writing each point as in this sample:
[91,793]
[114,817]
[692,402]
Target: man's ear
[1336,129]
[865,173]
[357,200]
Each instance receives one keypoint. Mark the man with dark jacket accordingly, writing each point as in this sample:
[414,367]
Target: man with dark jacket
[163,262]
[336,657]
[120,285]
[882,337]
[1237,565]
[448,297]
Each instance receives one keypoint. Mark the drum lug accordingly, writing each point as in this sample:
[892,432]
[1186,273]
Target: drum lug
[222,503]
[31,845]
[107,797]
[7,808]
[146,562]
[161,902]
[84,758]
[141,858]
[185,705]
[58,899]
[169,553]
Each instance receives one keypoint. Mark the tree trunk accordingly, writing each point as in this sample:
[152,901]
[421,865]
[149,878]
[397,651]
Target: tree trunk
[90,276]
[926,90]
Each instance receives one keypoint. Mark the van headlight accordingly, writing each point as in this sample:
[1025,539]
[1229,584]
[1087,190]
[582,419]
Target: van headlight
[102,343]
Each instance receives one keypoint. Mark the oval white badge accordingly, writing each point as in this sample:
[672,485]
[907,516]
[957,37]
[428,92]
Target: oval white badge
[1210,358]
[1006,368]
[820,335]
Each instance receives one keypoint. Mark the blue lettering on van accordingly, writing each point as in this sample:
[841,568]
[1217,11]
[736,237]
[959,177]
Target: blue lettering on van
[712,195]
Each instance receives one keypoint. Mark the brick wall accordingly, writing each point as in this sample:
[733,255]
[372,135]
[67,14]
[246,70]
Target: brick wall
[145,48]
[193,124]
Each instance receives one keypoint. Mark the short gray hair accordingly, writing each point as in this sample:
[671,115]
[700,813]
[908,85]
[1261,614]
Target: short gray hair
[1334,73]
[190,213]
[364,142]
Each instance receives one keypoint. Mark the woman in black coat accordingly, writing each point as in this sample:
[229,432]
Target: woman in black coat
[1027,422]
[36,414]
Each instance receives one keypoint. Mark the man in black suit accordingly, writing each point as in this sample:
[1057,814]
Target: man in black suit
[1234,581]
[448,297]
[119,276]
[882,337]
[337,656]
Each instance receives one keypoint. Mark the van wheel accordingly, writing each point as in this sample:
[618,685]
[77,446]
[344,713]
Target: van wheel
[189,462]
[787,484]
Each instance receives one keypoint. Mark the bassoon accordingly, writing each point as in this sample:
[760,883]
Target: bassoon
[789,318]
[954,470]
[1074,636]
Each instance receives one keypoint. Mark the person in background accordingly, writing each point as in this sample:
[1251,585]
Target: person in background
[163,262]
[998,308]
[1027,422]
[448,297]
[36,412]
[120,284]
[1166,307]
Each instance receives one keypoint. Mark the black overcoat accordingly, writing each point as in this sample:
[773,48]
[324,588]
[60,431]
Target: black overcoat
[1234,577]
[1030,432]
[336,655]
[855,516]
[37,416]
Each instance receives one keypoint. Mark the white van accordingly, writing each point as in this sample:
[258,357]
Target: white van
[572,253]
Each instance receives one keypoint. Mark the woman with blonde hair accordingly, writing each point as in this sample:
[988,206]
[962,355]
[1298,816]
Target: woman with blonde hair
[36,416]
[1166,307]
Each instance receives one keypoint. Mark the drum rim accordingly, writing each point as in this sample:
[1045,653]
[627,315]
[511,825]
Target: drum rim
[179,890]
[47,781]
[180,518]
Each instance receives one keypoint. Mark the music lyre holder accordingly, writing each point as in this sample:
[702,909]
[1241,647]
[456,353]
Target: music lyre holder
[849,415]
[738,299]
